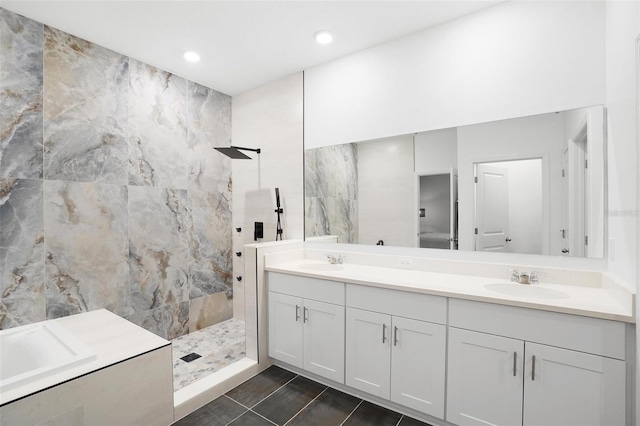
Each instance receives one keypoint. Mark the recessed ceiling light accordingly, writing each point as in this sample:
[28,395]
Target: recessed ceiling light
[191,56]
[323,37]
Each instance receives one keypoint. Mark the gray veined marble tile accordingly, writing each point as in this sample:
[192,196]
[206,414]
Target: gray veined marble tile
[310,173]
[209,310]
[85,104]
[316,221]
[159,227]
[168,322]
[209,125]
[342,218]
[86,248]
[20,96]
[337,172]
[158,150]
[22,291]
[210,243]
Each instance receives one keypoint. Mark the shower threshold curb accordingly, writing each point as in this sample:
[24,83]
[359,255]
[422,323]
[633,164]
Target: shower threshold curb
[199,393]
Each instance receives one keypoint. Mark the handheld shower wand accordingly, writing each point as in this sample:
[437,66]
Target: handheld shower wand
[279,211]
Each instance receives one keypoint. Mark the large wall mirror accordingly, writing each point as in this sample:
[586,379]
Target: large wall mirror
[531,185]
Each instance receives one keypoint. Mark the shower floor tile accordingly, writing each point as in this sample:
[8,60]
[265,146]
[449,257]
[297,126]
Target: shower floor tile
[219,345]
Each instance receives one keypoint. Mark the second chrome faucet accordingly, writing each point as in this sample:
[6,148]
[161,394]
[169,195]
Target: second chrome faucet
[523,277]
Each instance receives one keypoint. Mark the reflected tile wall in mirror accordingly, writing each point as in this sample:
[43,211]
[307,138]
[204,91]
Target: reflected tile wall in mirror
[331,192]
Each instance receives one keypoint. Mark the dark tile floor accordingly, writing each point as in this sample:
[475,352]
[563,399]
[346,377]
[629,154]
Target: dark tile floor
[278,397]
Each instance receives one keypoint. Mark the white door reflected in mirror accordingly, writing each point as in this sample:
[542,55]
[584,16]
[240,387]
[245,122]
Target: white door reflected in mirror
[508,206]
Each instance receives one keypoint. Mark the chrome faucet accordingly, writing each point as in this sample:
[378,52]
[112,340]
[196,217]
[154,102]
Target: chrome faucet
[523,277]
[534,278]
[335,260]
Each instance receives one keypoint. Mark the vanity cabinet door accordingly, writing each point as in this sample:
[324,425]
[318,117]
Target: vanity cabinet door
[572,388]
[368,352]
[418,365]
[484,384]
[324,339]
[285,328]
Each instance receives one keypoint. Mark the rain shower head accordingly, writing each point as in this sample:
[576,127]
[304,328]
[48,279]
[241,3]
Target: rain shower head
[234,153]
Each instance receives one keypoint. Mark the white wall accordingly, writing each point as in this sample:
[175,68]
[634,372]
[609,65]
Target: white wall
[269,118]
[386,192]
[623,27]
[511,60]
[436,151]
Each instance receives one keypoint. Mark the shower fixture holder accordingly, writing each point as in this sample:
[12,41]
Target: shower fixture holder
[279,211]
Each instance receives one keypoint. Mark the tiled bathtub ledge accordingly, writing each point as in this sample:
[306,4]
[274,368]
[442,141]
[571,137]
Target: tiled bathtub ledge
[591,294]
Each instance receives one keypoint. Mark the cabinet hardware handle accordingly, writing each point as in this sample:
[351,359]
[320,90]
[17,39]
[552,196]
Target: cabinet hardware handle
[305,314]
[297,313]
[395,336]
[515,357]
[533,367]
[384,332]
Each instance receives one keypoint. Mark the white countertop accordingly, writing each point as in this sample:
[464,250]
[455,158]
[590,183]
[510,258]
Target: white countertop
[113,339]
[604,302]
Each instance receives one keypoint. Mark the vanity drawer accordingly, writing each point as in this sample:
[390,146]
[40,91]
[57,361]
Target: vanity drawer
[584,334]
[406,304]
[308,288]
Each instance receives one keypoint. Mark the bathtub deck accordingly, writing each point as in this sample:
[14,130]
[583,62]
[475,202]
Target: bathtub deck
[112,338]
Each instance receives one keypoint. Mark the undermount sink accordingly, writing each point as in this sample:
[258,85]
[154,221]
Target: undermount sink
[322,267]
[524,290]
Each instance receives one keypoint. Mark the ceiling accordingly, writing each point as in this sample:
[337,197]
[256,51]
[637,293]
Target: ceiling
[243,44]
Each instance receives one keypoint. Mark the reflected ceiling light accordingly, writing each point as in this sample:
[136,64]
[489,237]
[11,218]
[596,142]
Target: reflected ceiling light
[191,56]
[323,37]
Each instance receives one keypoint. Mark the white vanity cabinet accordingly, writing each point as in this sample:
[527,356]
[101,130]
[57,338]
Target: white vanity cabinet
[396,346]
[306,324]
[514,366]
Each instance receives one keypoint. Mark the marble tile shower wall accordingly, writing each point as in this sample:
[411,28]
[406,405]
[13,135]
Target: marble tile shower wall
[111,195]
[331,192]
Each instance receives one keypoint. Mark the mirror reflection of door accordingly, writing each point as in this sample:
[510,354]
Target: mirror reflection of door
[492,208]
[578,193]
[564,232]
[437,210]
[508,206]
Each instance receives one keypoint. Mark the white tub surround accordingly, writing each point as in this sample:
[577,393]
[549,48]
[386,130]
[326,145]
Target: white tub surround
[586,293]
[131,370]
